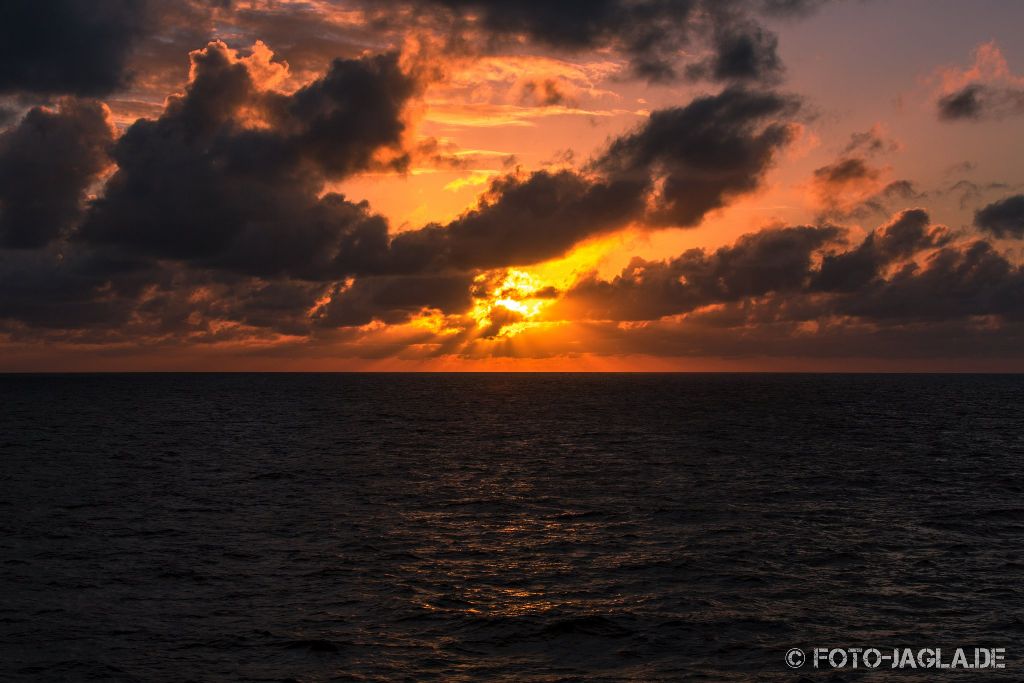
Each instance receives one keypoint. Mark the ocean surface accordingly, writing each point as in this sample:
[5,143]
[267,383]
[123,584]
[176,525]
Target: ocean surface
[505,527]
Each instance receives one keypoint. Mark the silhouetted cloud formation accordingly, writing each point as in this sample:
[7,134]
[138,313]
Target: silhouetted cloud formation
[216,216]
[958,282]
[1004,218]
[204,184]
[742,52]
[92,48]
[962,104]
[207,185]
[844,171]
[988,89]
[523,221]
[713,149]
[700,155]
[905,235]
[395,298]
[759,263]
[977,101]
[47,162]
[796,275]
[653,33]
[228,182]
[68,46]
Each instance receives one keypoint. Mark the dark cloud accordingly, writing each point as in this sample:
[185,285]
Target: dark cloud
[47,162]
[96,296]
[845,171]
[522,221]
[700,156]
[759,263]
[713,149]
[340,120]
[7,115]
[229,181]
[652,33]
[209,305]
[51,289]
[224,186]
[742,52]
[849,188]
[980,101]
[905,235]
[395,298]
[1004,218]
[962,104]
[201,185]
[895,193]
[93,48]
[956,282]
[68,46]
[796,275]
[791,8]
[218,223]
[721,145]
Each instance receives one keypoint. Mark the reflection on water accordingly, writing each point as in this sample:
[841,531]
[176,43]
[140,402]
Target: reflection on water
[516,527]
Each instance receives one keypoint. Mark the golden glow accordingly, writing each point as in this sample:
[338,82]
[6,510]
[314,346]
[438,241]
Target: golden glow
[518,293]
[434,321]
[510,302]
[476,178]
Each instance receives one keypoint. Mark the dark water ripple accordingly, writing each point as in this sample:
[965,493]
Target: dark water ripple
[504,527]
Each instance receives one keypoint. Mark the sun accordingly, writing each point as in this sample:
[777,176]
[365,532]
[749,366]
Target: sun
[507,306]
[510,301]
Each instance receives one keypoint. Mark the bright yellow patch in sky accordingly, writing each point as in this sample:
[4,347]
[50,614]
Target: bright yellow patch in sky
[510,305]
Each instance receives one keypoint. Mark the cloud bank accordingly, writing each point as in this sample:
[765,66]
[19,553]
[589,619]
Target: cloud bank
[222,216]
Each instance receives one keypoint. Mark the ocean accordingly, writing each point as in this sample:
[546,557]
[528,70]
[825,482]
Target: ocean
[506,527]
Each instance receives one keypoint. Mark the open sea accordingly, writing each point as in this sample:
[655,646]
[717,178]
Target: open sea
[505,527]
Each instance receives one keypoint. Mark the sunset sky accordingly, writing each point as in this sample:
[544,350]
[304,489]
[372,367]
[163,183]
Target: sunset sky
[501,185]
